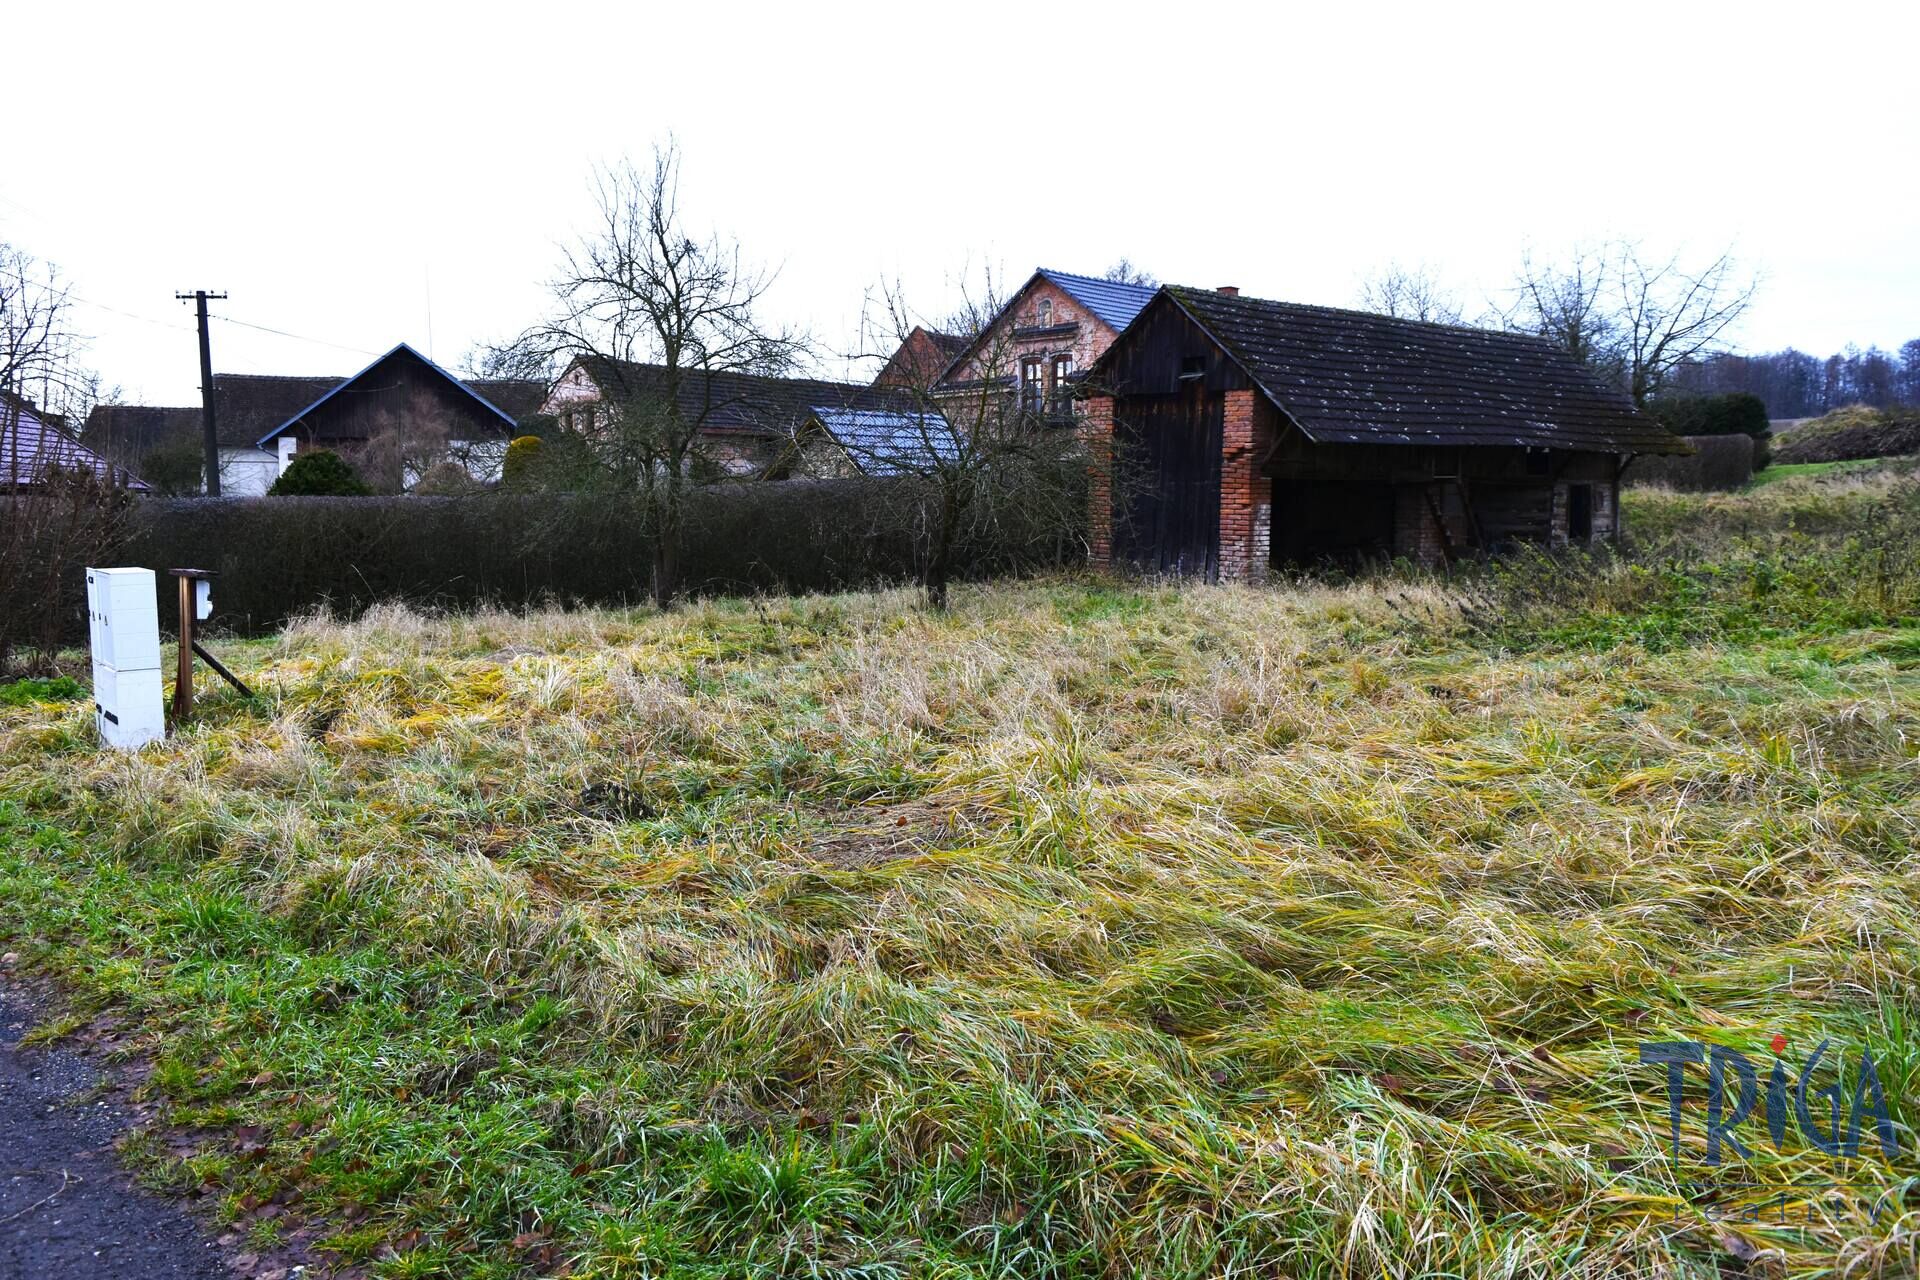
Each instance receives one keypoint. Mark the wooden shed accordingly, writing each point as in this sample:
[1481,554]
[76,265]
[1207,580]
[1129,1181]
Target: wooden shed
[1234,434]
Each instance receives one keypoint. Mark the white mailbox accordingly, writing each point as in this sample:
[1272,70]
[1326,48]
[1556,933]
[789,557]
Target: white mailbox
[123,620]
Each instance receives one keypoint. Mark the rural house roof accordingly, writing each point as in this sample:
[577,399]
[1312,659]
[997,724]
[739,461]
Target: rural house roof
[29,448]
[1110,302]
[128,432]
[1351,377]
[518,398]
[886,442]
[751,404]
[244,406]
[1116,304]
[508,423]
[250,407]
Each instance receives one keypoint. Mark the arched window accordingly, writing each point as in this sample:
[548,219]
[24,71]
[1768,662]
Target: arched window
[1044,312]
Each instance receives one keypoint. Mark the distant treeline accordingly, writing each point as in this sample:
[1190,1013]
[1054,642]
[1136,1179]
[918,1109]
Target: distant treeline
[1797,385]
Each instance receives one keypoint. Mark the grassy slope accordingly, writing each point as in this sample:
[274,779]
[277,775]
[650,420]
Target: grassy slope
[1087,930]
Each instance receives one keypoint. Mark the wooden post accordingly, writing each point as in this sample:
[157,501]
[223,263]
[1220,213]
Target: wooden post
[183,674]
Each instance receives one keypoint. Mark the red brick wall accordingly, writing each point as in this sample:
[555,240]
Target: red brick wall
[1246,496]
[1095,430]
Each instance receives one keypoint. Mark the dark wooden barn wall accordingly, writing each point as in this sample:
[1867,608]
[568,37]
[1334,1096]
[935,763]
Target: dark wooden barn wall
[1151,361]
[396,390]
[1167,481]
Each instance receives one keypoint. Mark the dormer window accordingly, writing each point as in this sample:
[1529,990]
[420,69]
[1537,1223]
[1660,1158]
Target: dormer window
[1044,312]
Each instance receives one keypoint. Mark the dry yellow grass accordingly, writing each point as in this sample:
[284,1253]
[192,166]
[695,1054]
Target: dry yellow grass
[1083,930]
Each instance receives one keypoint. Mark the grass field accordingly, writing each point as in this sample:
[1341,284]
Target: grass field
[1090,929]
[1860,468]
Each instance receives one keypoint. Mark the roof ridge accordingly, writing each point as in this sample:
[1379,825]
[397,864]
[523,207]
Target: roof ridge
[1460,327]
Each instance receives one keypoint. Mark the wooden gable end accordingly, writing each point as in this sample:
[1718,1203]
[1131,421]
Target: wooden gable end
[400,390]
[1164,351]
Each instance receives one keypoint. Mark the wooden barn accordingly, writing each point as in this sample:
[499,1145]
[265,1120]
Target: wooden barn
[1238,434]
[404,392]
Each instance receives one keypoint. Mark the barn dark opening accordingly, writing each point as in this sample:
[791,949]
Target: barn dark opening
[1580,513]
[1319,523]
[1167,482]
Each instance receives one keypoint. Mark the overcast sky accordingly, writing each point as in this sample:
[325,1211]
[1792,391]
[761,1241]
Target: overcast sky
[334,166]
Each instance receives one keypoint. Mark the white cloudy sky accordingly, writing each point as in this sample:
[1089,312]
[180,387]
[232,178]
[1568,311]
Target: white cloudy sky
[326,164]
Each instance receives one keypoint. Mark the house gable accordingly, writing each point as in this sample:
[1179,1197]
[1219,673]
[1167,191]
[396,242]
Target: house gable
[1053,314]
[399,386]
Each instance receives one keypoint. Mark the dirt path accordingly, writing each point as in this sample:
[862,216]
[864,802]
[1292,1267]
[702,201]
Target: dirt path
[67,1208]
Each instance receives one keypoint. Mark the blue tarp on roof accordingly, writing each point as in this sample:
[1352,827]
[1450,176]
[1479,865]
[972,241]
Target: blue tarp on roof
[887,442]
[1116,304]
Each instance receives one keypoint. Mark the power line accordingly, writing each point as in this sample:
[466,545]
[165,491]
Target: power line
[164,324]
[297,337]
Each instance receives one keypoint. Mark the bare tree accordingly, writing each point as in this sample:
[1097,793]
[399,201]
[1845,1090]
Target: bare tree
[404,446]
[527,357]
[973,463]
[37,341]
[54,521]
[1568,304]
[1632,320]
[1410,293]
[1667,315]
[668,320]
[1124,272]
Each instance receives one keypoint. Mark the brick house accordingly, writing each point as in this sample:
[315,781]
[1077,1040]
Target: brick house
[1231,434]
[922,357]
[1036,347]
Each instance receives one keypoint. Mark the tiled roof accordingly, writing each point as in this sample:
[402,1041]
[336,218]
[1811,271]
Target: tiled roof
[518,398]
[886,442]
[29,447]
[738,402]
[248,406]
[129,432]
[1116,304]
[950,344]
[1351,377]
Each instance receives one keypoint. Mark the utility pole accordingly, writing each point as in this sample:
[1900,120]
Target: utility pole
[211,440]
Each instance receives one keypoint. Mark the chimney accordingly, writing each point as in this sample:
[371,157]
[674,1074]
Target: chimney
[1231,290]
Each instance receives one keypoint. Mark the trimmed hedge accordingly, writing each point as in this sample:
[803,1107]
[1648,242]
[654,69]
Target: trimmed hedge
[1735,414]
[280,557]
[1722,462]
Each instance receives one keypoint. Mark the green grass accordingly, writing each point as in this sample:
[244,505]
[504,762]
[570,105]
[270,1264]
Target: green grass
[1090,929]
[1831,470]
[15,693]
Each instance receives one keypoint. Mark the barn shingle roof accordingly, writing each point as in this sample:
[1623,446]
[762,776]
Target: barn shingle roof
[1351,377]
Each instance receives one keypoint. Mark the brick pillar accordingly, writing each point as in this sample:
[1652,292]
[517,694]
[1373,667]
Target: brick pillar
[1246,496]
[1096,434]
[1416,534]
